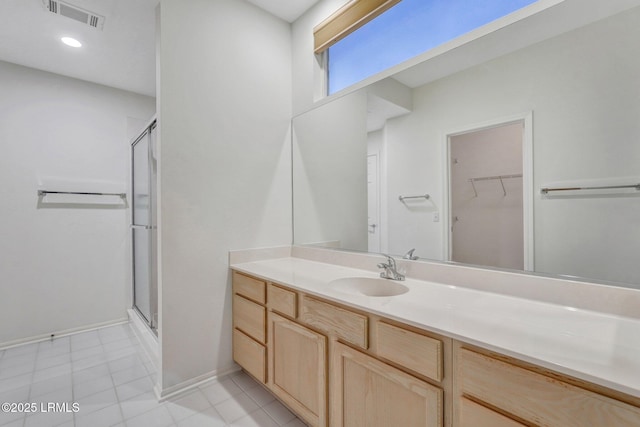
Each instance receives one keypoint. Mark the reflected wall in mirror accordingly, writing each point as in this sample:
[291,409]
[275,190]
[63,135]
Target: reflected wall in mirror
[582,89]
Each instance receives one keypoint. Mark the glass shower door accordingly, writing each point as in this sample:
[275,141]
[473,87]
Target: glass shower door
[143,228]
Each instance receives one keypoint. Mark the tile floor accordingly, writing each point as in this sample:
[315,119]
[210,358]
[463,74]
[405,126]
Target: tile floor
[106,372]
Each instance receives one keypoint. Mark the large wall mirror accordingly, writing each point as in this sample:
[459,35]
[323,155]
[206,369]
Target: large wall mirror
[456,168]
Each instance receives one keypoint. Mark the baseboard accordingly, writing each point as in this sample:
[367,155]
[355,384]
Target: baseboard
[62,333]
[147,339]
[186,386]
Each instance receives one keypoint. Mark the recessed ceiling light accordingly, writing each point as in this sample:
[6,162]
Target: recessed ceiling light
[69,41]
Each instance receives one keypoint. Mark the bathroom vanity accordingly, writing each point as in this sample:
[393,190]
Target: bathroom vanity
[435,355]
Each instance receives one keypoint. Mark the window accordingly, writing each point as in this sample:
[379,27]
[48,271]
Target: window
[408,29]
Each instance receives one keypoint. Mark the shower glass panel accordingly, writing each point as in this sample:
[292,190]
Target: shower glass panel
[143,227]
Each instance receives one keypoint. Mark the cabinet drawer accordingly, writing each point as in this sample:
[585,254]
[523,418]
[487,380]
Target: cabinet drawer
[249,317]
[249,287]
[474,415]
[250,355]
[344,324]
[281,300]
[417,352]
[539,399]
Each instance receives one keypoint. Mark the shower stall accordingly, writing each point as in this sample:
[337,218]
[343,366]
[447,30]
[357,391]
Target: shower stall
[144,226]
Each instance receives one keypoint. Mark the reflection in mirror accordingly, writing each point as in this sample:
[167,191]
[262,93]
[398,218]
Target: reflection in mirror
[354,157]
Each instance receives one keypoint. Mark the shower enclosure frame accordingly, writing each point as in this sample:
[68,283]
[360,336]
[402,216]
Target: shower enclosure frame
[144,233]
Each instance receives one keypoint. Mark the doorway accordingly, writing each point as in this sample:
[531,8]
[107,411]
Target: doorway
[489,197]
[373,203]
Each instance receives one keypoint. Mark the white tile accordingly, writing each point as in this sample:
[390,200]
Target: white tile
[52,372]
[188,405]
[138,405]
[257,418]
[97,401]
[260,395]
[18,422]
[27,359]
[88,388]
[84,343]
[16,395]
[134,388]
[126,343]
[50,385]
[114,333]
[62,395]
[91,373]
[14,371]
[86,352]
[207,418]
[279,412]
[244,381]
[130,361]
[104,417]
[220,391]
[48,362]
[15,382]
[89,362]
[12,418]
[296,423]
[51,351]
[236,407]
[26,350]
[47,419]
[129,374]
[119,353]
[158,417]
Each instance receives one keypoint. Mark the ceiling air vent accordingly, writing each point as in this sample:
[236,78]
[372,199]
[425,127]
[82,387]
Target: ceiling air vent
[74,12]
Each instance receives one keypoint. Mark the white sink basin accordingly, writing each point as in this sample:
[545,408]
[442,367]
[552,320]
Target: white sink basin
[368,286]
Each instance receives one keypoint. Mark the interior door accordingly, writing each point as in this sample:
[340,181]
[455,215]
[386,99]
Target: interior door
[373,204]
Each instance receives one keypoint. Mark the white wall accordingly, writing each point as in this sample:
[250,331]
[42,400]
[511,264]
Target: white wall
[330,173]
[225,172]
[62,266]
[583,89]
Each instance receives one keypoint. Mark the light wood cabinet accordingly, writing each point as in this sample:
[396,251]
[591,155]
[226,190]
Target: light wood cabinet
[411,350]
[249,287]
[336,321]
[250,325]
[282,300]
[251,355]
[339,367]
[533,397]
[250,318]
[369,393]
[475,415]
[299,368]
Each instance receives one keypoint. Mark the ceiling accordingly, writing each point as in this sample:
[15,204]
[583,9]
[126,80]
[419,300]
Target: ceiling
[289,10]
[121,55]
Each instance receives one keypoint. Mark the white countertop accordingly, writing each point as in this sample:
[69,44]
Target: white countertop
[600,348]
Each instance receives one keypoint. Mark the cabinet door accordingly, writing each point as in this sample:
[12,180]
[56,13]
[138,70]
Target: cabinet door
[298,365]
[370,393]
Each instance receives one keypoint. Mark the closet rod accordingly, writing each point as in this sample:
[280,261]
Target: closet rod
[486,178]
[45,192]
[604,187]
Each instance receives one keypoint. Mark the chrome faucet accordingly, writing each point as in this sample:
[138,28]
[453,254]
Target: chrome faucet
[390,269]
[410,255]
